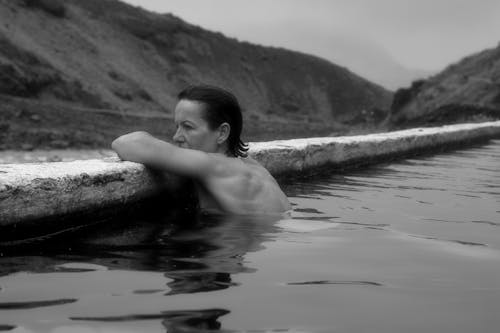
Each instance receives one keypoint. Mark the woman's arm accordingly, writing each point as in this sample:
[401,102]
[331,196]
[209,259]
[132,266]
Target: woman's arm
[141,147]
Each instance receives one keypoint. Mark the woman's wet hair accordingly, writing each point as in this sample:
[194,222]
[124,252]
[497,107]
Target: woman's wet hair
[221,106]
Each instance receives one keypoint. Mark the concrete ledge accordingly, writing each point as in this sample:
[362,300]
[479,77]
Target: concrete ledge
[294,156]
[30,192]
[35,192]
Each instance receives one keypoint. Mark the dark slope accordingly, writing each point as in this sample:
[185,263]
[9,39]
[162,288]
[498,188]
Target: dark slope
[107,55]
[466,91]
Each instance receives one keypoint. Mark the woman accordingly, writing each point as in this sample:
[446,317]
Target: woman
[209,150]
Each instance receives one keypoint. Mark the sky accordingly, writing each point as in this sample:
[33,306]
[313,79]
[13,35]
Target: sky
[414,34]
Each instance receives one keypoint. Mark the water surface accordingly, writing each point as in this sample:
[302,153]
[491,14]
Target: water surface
[410,246]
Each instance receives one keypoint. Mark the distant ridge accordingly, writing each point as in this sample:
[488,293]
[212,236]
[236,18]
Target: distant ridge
[468,90]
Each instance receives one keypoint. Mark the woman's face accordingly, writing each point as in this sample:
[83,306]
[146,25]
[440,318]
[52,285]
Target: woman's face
[193,131]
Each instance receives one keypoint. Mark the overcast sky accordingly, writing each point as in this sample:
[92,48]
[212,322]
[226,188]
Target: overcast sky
[418,34]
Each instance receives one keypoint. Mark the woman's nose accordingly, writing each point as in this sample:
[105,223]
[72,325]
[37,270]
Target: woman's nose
[178,137]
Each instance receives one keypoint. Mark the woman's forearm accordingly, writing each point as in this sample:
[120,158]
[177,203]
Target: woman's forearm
[132,146]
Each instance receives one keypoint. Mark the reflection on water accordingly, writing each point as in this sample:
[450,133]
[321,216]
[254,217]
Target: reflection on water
[194,257]
[34,304]
[412,246]
[174,321]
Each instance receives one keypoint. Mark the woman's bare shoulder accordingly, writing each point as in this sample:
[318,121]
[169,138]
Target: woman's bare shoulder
[251,163]
[243,185]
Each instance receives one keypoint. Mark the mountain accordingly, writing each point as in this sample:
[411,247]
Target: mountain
[76,59]
[468,90]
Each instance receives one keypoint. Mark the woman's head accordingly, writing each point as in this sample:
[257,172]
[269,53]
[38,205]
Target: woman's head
[221,111]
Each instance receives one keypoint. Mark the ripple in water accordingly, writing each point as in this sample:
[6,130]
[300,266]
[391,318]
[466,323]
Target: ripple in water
[326,282]
[34,304]
[178,321]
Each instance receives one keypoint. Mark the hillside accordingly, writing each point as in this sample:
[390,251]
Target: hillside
[468,90]
[77,56]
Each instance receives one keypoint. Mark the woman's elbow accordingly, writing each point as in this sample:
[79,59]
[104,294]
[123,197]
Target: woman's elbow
[127,144]
[115,145]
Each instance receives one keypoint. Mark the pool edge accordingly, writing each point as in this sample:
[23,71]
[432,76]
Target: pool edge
[38,191]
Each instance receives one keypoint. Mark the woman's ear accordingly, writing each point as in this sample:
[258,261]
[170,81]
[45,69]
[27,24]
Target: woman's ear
[224,130]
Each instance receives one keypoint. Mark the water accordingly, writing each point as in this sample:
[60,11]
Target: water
[411,246]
